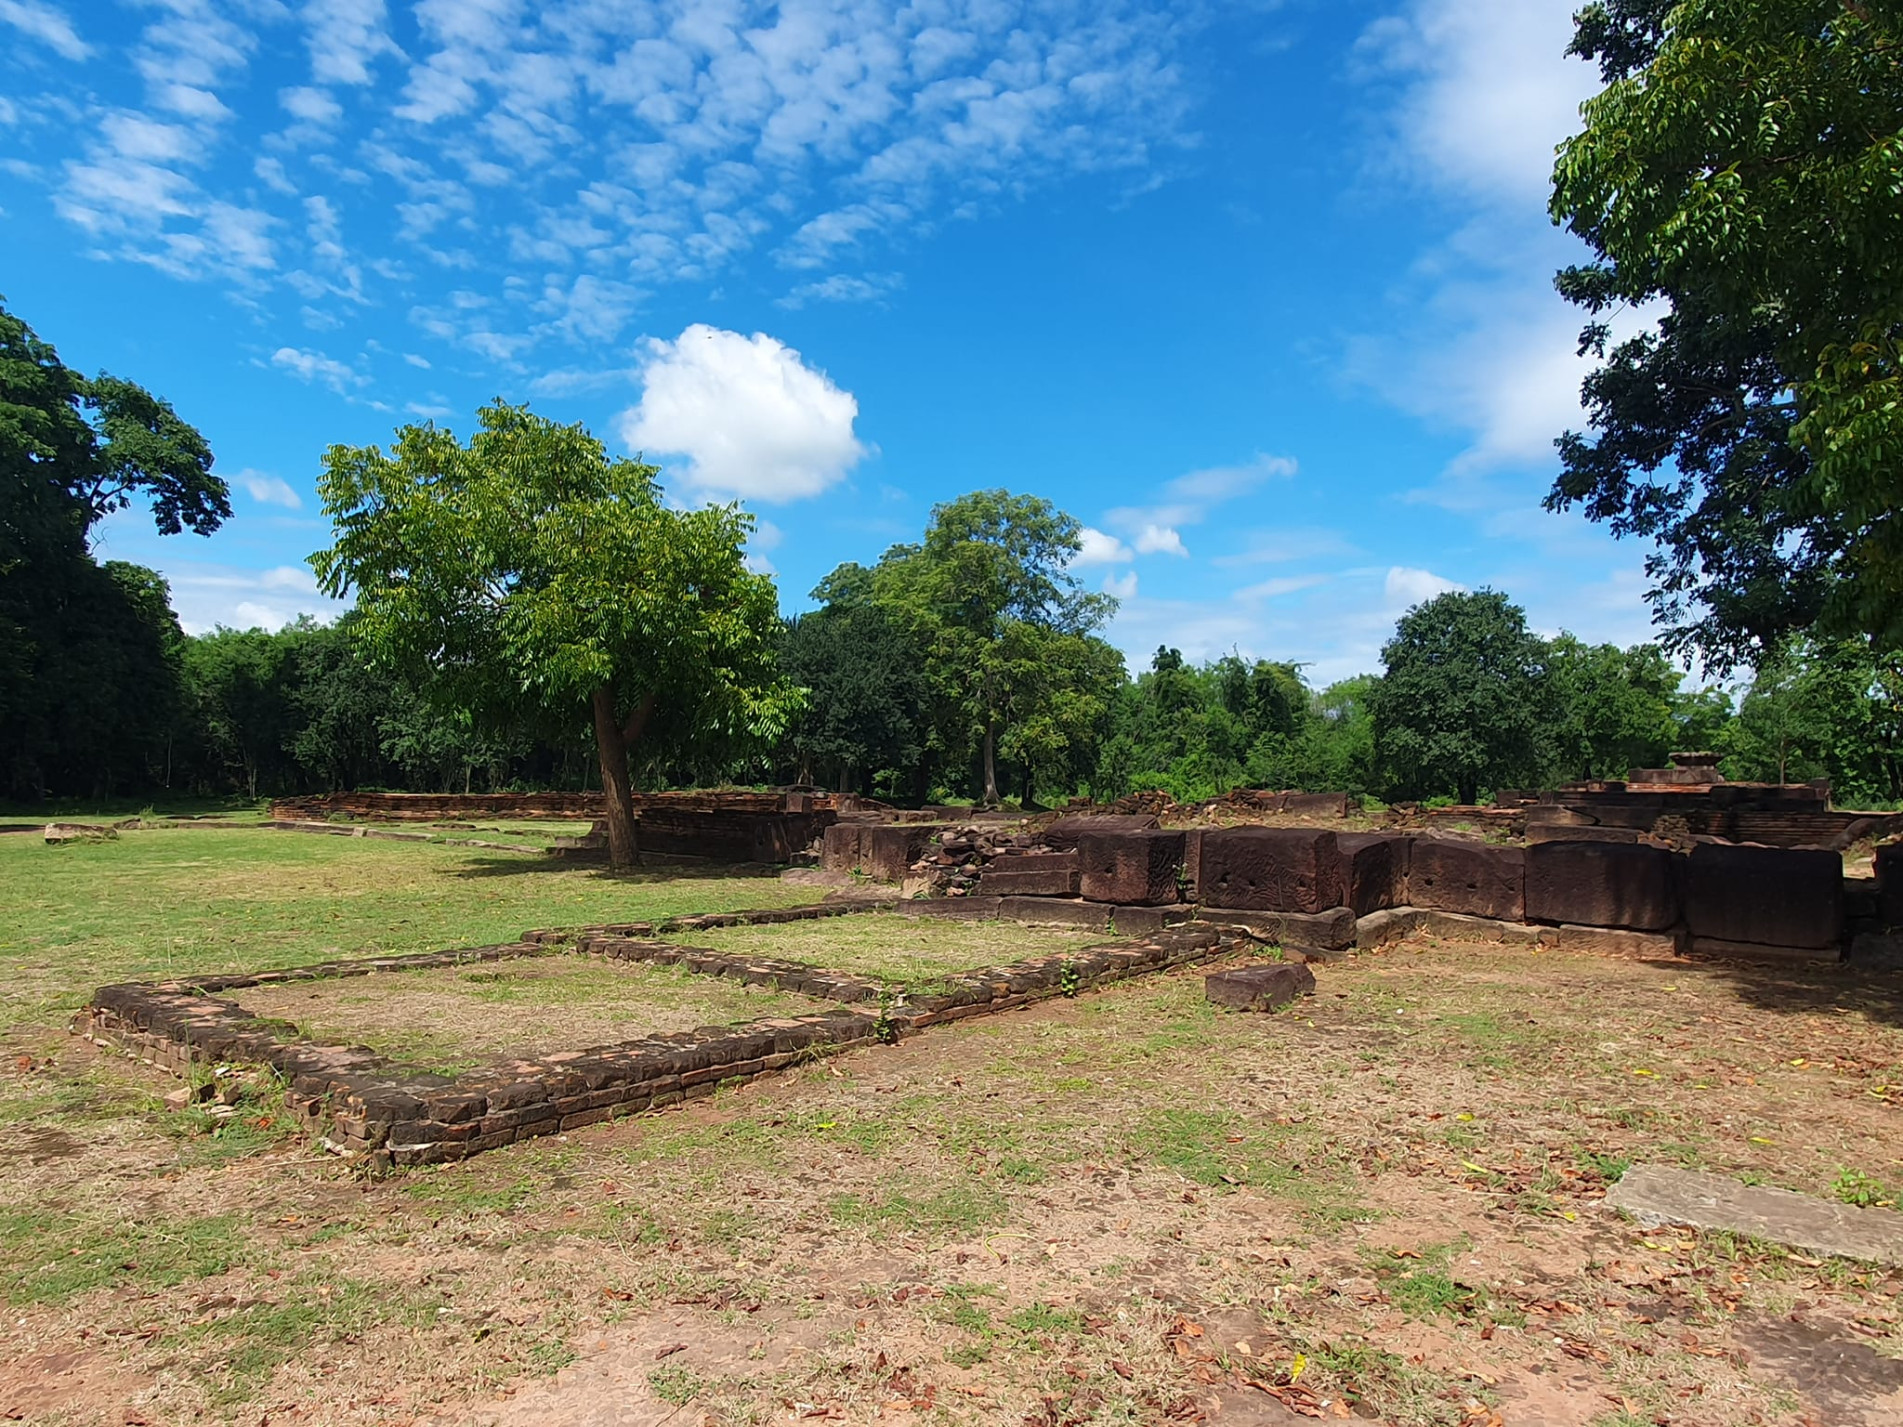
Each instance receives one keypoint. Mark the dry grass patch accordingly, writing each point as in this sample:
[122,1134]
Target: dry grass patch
[892,947]
[451,1019]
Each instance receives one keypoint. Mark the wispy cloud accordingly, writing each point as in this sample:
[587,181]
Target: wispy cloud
[312,366]
[268,489]
[1188,500]
[46,24]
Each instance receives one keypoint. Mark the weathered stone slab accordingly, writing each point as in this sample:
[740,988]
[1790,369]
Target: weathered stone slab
[1138,869]
[1333,930]
[1889,873]
[1656,1195]
[1033,862]
[961,909]
[1616,941]
[1032,882]
[1877,951]
[1602,884]
[1260,988]
[1065,832]
[1373,870]
[1474,879]
[887,853]
[1762,951]
[1147,921]
[1777,896]
[1270,869]
[1057,911]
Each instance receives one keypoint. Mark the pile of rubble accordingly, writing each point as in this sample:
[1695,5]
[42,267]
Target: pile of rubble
[959,855]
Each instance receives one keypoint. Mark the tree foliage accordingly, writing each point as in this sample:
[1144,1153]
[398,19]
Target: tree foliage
[89,654]
[1742,171]
[529,578]
[1466,700]
[1005,628]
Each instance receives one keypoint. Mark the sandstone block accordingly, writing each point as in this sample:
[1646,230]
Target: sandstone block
[1471,878]
[1373,870]
[1055,882]
[1602,884]
[1270,869]
[1260,988]
[1775,896]
[1138,869]
[1057,911]
[1890,884]
[1065,833]
[1332,930]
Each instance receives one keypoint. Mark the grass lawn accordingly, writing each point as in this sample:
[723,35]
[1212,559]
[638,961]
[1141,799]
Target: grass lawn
[1125,1208]
[889,947]
[167,902]
[452,1019]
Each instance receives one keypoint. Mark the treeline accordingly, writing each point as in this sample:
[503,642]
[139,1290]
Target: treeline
[630,643]
[255,713]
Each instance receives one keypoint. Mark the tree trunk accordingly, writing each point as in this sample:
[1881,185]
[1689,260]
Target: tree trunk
[991,767]
[612,740]
[1469,791]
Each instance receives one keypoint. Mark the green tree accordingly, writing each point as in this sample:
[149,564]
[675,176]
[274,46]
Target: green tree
[245,697]
[1465,701]
[1827,709]
[865,684]
[1617,709]
[528,578]
[1741,171]
[88,654]
[990,597]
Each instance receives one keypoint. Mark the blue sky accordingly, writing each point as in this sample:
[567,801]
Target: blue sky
[1260,292]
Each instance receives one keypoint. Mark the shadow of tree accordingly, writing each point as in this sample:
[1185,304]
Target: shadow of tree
[485,867]
[1807,989]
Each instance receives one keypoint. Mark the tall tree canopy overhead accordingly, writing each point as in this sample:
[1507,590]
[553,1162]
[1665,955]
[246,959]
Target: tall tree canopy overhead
[1742,174]
[530,576]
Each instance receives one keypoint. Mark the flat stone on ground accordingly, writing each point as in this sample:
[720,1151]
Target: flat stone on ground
[1267,987]
[1655,1194]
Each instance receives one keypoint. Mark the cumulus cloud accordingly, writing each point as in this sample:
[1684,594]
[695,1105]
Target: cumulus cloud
[1159,540]
[746,415]
[47,25]
[268,489]
[1101,549]
[1404,587]
[1122,587]
[344,37]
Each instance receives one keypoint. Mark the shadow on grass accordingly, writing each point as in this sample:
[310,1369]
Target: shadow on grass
[1807,990]
[484,867]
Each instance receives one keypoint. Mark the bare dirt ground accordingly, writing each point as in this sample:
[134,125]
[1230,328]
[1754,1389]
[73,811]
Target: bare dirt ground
[452,1018]
[1124,1208]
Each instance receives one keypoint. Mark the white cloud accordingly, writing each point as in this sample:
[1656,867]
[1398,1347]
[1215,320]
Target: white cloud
[1482,343]
[1101,549]
[416,361]
[1281,585]
[1404,587]
[1122,587]
[872,287]
[313,106]
[207,595]
[748,416]
[47,25]
[268,489]
[316,367]
[1188,499]
[344,37]
[1159,540]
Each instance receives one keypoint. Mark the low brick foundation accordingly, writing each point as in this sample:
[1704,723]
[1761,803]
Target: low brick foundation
[364,1105]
